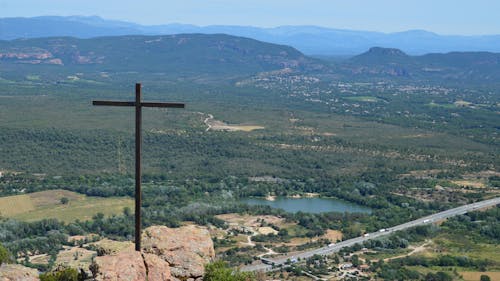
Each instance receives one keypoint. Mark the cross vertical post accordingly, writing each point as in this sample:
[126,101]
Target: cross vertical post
[138,104]
[138,175]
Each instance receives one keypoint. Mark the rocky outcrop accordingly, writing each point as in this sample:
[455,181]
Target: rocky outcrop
[127,265]
[167,254]
[132,266]
[186,249]
[16,272]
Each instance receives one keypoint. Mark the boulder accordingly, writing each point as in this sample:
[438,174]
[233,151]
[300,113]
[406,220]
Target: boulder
[186,249]
[17,272]
[167,254]
[130,265]
[124,266]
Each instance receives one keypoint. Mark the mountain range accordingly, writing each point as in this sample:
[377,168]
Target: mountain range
[219,55]
[186,54]
[311,40]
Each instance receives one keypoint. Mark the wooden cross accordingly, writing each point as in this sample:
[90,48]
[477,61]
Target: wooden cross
[138,104]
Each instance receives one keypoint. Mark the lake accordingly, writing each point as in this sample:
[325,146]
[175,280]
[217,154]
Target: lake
[309,205]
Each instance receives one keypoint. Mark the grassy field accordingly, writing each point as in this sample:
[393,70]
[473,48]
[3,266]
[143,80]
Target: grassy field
[47,204]
[15,205]
[475,275]
[458,245]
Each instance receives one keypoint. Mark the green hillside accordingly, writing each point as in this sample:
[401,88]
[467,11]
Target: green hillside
[461,67]
[194,54]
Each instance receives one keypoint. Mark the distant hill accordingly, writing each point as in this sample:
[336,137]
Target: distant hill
[180,54]
[218,55]
[466,66]
[80,27]
[311,40]
[379,55]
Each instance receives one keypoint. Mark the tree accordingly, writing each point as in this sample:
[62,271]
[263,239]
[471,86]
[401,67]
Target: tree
[355,260]
[219,271]
[439,276]
[68,274]
[5,255]
[485,278]
[94,269]
[127,212]
[64,200]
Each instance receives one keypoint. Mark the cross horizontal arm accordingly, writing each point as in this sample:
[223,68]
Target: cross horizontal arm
[162,104]
[113,103]
[144,104]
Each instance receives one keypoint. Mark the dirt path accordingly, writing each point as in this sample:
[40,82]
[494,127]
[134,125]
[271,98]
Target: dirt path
[415,250]
[249,239]
[206,121]
[268,253]
[252,244]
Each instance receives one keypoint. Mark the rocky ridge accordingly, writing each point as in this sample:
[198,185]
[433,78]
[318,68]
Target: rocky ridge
[167,254]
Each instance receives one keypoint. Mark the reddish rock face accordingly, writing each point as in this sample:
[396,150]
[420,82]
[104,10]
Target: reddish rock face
[186,249]
[130,265]
[125,266]
[16,272]
[168,254]
[158,269]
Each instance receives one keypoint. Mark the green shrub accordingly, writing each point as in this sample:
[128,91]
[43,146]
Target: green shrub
[5,255]
[68,274]
[485,278]
[219,271]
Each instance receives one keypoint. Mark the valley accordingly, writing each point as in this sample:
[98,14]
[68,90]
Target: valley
[380,137]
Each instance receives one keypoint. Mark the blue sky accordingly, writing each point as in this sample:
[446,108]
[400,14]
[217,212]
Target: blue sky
[440,16]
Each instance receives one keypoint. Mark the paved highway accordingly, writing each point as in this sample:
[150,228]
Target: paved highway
[347,243]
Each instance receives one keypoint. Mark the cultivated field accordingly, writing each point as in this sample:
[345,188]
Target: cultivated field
[14,205]
[47,204]
[476,275]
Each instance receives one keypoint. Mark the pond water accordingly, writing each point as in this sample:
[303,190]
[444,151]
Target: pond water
[309,205]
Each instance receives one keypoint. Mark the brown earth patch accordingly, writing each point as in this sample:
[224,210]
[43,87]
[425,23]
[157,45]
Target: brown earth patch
[333,235]
[75,257]
[251,221]
[52,197]
[476,275]
[469,183]
[108,246]
[267,230]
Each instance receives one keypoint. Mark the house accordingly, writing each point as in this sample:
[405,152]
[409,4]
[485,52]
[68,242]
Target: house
[344,266]
[364,267]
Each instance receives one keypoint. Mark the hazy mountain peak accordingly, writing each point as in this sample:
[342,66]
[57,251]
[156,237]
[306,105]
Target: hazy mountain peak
[312,40]
[417,32]
[379,51]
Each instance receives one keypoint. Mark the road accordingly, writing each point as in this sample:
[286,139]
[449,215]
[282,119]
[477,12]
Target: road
[383,232]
